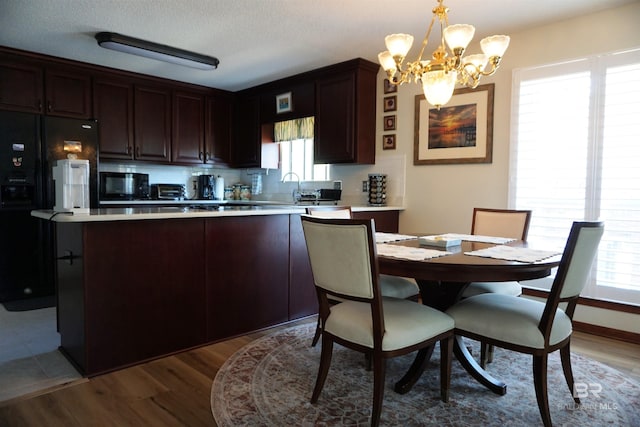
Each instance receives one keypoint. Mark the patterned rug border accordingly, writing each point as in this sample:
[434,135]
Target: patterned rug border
[268,382]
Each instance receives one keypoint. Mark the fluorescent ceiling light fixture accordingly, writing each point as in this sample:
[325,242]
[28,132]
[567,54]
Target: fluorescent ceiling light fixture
[156,51]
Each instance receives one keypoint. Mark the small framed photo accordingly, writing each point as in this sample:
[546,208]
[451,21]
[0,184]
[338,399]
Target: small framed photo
[390,122]
[389,88]
[389,142]
[283,103]
[389,103]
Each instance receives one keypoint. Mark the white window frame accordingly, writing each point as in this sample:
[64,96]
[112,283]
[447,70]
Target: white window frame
[596,66]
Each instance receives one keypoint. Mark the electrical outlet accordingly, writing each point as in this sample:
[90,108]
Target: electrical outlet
[365,186]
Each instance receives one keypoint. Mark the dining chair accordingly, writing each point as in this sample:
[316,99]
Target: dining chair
[391,286]
[510,223]
[344,265]
[535,327]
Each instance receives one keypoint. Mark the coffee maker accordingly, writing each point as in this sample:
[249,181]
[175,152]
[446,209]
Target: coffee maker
[71,179]
[206,186]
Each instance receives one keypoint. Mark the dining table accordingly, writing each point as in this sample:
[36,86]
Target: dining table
[443,273]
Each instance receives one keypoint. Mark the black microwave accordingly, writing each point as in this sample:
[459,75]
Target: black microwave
[124,186]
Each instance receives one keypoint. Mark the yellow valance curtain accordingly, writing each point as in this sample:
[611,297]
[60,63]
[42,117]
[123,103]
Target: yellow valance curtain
[293,129]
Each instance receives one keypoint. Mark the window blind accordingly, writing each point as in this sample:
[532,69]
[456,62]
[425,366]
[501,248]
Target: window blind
[575,155]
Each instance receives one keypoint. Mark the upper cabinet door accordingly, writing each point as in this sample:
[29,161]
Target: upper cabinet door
[218,130]
[68,93]
[113,108]
[246,146]
[334,140]
[345,121]
[188,128]
[152,129]
[21,87]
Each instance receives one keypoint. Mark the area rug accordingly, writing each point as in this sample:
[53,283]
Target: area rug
[269,383]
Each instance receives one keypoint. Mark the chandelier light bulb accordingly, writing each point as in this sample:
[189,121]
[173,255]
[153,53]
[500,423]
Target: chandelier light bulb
[438,86]
[386,60]
[398,45]
[458,36]
[479,60]
[495,45]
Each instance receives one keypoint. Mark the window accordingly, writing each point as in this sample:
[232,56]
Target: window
[296,151]
[576,156]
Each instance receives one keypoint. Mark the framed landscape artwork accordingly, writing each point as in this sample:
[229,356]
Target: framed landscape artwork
[283,103]
[460,132]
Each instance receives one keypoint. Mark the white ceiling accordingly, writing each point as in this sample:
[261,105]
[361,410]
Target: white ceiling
[257,41]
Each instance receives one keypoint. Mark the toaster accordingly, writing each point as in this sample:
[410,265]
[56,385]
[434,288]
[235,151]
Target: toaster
[167,191]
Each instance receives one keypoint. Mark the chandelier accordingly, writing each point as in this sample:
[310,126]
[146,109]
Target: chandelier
[439,74]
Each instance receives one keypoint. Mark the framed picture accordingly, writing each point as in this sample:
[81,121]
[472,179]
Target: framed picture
[390,103]
[390,122]
[460,132]
[389,88]
[388,142]
[283,103]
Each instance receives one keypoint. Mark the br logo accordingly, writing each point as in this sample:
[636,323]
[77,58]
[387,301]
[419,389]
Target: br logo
[582,390]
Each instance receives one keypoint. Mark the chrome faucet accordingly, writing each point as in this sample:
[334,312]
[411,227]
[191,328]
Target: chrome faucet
[295,194]
[293,174]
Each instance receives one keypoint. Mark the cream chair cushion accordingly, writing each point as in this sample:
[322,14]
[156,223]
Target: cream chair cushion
[508,318]
[505,288]
[397,287]
[406,323]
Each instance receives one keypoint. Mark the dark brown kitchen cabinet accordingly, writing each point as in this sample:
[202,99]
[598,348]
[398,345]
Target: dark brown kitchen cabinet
[247,143]
[217,135]
[152,123]
[345,120]
[187,145]
[31,87]
[68,93]
[303,300]
[113,107]
[129,290]
[247,273]
[21,85]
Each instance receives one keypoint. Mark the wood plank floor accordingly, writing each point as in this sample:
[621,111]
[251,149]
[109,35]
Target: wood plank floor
[175,390]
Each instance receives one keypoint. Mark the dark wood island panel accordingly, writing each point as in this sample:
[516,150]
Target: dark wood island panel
[134,290]
[247,273]
[129,290]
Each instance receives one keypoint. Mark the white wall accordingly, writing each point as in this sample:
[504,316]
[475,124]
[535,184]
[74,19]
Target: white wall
[440,198]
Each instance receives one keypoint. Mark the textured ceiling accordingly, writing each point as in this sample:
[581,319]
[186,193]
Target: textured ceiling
[256,41]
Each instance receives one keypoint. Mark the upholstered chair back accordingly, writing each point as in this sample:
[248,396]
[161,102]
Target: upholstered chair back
[513,224]
[576,270]
[330,212]
[341,255]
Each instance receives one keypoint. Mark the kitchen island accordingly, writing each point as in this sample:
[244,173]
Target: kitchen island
[139,283]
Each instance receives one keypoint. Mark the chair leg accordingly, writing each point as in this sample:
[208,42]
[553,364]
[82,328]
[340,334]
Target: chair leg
[316,336]
[379,369]
[323,370]
[565,358]
[446,350]
[540,382]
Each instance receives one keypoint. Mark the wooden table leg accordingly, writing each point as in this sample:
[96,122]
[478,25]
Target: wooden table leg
[474,369]
[441,296]
[415,371]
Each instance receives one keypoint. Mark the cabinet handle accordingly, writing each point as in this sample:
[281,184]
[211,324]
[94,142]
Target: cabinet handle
[129,150]
[137,151]
[68,256]
[49,105]
[200,156]
[207,156]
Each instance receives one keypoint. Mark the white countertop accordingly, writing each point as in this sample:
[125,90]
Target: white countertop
[190,211]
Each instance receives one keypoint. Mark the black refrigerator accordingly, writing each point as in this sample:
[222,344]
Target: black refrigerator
[29,146]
